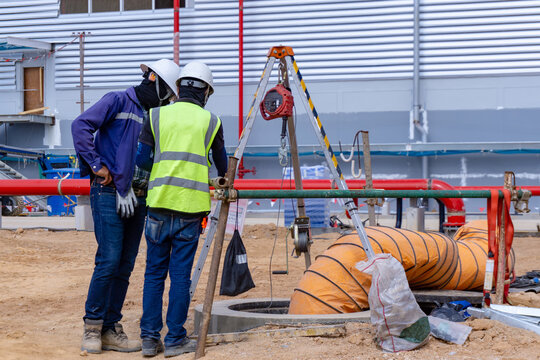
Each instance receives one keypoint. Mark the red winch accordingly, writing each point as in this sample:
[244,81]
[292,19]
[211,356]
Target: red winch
[278,102]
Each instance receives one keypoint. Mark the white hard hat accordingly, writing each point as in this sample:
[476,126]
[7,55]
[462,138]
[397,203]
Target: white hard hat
[165,69]
[197,70]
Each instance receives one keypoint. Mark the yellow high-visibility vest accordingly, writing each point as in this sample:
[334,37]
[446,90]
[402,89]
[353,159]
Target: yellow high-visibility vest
[183,133]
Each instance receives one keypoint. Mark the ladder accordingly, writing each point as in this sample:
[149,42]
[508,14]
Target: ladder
[285,55]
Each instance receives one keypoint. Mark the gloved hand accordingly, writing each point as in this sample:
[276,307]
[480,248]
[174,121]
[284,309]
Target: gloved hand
[125,205]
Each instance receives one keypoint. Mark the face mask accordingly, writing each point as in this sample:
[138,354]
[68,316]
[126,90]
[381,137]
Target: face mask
[199,95]
[163,91]
[152,92]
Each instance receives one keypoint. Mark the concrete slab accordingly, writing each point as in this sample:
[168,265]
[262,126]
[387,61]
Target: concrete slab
[38,221]
[244,314]
[524,223]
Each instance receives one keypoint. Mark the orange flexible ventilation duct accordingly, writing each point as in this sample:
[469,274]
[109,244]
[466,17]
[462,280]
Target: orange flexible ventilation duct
[332,284]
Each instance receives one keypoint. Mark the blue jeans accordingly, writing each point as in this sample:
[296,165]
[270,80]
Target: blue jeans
[172,242]
[118,244]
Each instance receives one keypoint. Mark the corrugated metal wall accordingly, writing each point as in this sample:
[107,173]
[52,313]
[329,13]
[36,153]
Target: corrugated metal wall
[7,75]
[333,40]
[469,38]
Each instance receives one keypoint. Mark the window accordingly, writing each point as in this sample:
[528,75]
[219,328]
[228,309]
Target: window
[165,4]
[137,4]
[105,5]
[73,6]
[96,6]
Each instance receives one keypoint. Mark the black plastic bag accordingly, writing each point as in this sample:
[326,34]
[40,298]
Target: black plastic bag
[453,311]
[236,278]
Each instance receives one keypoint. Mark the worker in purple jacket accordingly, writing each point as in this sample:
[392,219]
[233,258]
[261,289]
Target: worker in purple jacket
[117,197]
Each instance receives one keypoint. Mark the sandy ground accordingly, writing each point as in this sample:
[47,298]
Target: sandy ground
[44,277]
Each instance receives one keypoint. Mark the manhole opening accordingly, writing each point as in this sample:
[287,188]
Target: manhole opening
[263,307]
[281,307]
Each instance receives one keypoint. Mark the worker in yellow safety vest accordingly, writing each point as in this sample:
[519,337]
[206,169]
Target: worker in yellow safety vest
[180,136]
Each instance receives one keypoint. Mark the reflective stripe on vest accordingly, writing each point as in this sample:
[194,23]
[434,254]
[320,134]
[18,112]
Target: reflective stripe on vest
[183,134]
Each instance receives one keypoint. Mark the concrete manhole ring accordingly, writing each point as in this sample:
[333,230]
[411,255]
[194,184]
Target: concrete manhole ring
[244,314]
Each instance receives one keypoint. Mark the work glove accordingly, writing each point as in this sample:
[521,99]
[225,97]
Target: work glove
[125,205]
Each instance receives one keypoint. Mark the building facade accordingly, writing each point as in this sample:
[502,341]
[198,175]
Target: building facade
[447,89]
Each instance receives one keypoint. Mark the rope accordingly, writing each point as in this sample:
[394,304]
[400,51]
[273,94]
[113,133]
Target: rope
[59,187]
[274,246]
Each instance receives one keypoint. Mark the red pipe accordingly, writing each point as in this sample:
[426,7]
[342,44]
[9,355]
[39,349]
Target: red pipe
[45,187]
[240,80]
[455,206]
[240,67]
[176,45]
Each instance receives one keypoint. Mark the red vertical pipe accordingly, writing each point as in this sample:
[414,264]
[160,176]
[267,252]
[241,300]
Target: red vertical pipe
[176,31]
[240,67]
[454,206]
[240,79]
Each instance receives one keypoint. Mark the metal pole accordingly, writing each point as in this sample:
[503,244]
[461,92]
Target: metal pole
[501,260]
[250,120]
[416,65]
[501,251]
[295,159]
[292,194]
[416,85]
[204,250]
[214,266]
[240,79]
[240,69]
[81,69]
[369,178]
[176,45]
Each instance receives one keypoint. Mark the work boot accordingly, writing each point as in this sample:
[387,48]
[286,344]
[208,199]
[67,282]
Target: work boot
[91,340]
[117,340]
[151,347]
[186,346]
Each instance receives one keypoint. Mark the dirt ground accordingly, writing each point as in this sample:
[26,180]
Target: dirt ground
[44,277]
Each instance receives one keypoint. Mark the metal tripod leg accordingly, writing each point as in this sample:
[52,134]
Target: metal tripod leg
[328,153]
[204,251]
[300,203]
[237,154]
[259,93]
